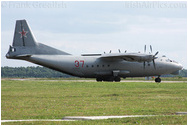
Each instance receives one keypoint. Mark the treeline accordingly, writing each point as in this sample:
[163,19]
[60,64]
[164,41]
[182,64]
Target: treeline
[182,73]
[43,72]
[31,72]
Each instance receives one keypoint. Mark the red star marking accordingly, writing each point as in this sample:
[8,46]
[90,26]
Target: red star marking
[23,33]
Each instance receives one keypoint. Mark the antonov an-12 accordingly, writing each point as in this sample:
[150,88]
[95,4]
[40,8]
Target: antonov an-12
[103,67]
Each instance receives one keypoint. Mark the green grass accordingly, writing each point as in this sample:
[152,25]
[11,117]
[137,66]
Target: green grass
[55,99]
[162,78]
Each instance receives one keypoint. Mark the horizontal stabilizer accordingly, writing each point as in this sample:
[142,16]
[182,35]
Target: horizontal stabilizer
[25,55]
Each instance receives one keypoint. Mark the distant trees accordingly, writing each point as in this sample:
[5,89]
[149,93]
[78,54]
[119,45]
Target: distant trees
[182,73]
[36,72]
[43,72]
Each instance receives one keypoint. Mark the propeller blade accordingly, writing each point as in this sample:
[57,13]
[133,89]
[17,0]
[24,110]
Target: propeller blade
[156,53]
[151,48]
[119,50]
[110,51]
[154,64]
[125,51]
[144,65]
[145,49]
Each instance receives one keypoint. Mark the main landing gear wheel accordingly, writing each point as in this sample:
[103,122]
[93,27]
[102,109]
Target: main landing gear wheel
[99,79]
[117,79]
[158,80]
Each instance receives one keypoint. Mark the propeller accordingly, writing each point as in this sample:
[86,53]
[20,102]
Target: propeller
[151,49]
[154,63]
[144,65]
[156,54]
[119,50]
[144,52]
[153,56]
[110,51]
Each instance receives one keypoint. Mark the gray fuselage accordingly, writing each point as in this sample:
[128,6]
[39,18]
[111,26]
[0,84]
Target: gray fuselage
[93,66]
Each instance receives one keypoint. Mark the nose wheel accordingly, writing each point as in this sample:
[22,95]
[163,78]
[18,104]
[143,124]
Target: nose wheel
[158,80]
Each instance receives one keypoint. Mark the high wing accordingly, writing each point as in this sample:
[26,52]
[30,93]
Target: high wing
[133,57]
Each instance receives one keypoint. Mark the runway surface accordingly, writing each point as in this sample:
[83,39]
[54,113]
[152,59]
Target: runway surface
[76,118]
[85,80]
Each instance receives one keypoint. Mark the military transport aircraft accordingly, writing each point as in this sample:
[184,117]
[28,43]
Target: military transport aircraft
[103,67]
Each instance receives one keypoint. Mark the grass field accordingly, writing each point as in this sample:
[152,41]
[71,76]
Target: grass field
[56,99]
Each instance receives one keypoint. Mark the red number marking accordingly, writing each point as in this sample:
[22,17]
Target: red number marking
[76,63]
[82,61]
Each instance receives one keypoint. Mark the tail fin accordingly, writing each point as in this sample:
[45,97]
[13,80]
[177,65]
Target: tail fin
[23,35]
[24,44]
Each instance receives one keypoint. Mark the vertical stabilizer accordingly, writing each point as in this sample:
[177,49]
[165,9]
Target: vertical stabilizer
[23,35]
[24,44]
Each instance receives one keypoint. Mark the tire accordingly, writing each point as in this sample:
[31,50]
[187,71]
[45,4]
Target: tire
[158,80]
[117,79]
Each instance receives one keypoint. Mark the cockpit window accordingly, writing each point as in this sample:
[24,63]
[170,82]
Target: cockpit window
[168,60]
[174,61]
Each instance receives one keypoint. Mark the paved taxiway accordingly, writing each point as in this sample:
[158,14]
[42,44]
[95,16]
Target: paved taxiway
[76,118]
[85,80]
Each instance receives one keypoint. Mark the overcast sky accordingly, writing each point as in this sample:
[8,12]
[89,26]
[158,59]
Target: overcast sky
[95,27]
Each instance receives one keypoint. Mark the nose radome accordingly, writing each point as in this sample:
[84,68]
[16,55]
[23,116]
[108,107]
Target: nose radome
[180,67]
[176,68]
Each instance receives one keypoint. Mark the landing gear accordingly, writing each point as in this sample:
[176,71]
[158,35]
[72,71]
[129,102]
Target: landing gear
[117,79]
[109,79]
[158,79]
[99,79]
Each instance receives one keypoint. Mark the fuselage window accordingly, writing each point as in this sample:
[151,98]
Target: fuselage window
[92,66]
[108,65]
[87,66]
[102,65]
[97,65]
